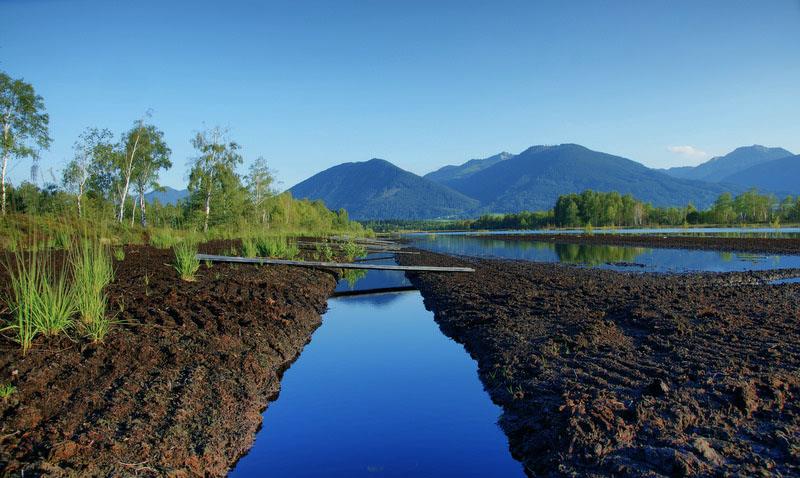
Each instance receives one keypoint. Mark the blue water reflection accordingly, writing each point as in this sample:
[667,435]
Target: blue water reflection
[380,391]
[672,231]
[606,257]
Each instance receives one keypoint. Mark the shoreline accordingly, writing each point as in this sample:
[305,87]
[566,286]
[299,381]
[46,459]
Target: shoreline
[180,384]
[724,244]
[602,373]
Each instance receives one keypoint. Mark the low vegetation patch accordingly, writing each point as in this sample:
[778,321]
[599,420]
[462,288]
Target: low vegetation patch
[186,262]
[93,271]
[6,390]
[40,299]
[46,298]
[351,250]
[277,247]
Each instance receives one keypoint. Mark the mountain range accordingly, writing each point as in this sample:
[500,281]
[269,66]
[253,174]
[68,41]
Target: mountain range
[534,178]
[720,168]
[379,189]
[167,195]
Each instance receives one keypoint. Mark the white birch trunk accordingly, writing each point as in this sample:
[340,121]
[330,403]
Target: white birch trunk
[5,165]
[142,205]
[208,209]
[128,172]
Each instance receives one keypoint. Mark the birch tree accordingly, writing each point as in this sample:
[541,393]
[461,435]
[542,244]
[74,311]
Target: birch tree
[24,125]
[126,162]
[91,149]
[260,179]
[216,160]
[153,157]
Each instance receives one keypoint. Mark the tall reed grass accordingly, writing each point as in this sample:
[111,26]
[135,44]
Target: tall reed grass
[249,248]
[40,300]
[186,262]
[276,246]
[92,271]
[49,290]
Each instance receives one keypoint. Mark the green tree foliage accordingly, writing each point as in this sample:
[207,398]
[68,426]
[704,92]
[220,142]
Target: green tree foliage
[153,157]
[260,179]
[139,156]
[91,150]
[213,171]
[24,125]
[612,209]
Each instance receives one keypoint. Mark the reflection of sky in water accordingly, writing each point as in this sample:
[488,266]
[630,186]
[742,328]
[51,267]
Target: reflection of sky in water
[380,391]
[606,257]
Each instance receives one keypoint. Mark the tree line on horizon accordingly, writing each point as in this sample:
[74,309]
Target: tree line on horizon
[108,178]
[612,209]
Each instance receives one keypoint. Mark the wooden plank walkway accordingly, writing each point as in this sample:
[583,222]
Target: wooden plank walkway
[330,265]
[382,290]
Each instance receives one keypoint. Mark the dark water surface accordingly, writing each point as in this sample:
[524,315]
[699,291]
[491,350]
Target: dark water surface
[626,258]
[380,392]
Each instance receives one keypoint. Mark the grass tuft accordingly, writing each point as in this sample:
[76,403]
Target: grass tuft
[186,262]
[6,390]
[276,247]
[41,301]
[93,271]
[249,248]
[119,254]
[163,238]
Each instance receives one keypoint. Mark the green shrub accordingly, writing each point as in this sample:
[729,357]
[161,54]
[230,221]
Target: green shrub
[186,262]
[351,250]
[324,252]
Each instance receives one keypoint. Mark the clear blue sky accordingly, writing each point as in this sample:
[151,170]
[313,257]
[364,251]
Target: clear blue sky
[310,84]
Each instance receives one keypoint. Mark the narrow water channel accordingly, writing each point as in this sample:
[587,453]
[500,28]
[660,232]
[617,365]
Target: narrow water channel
[380,392]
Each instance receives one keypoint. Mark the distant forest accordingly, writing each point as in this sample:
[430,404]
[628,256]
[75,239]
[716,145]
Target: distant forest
[598,209]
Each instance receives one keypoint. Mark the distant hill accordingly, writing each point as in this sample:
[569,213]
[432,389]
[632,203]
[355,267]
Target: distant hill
[167,196]
[533,180]
[448,173]
[719,168]
[780,176]
[377,189]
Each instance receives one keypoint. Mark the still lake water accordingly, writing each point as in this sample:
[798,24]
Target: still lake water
[380,392]
[671,231]
[623,258]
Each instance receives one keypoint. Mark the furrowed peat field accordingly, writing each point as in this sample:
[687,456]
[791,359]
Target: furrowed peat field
[564,356]
[602,371]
